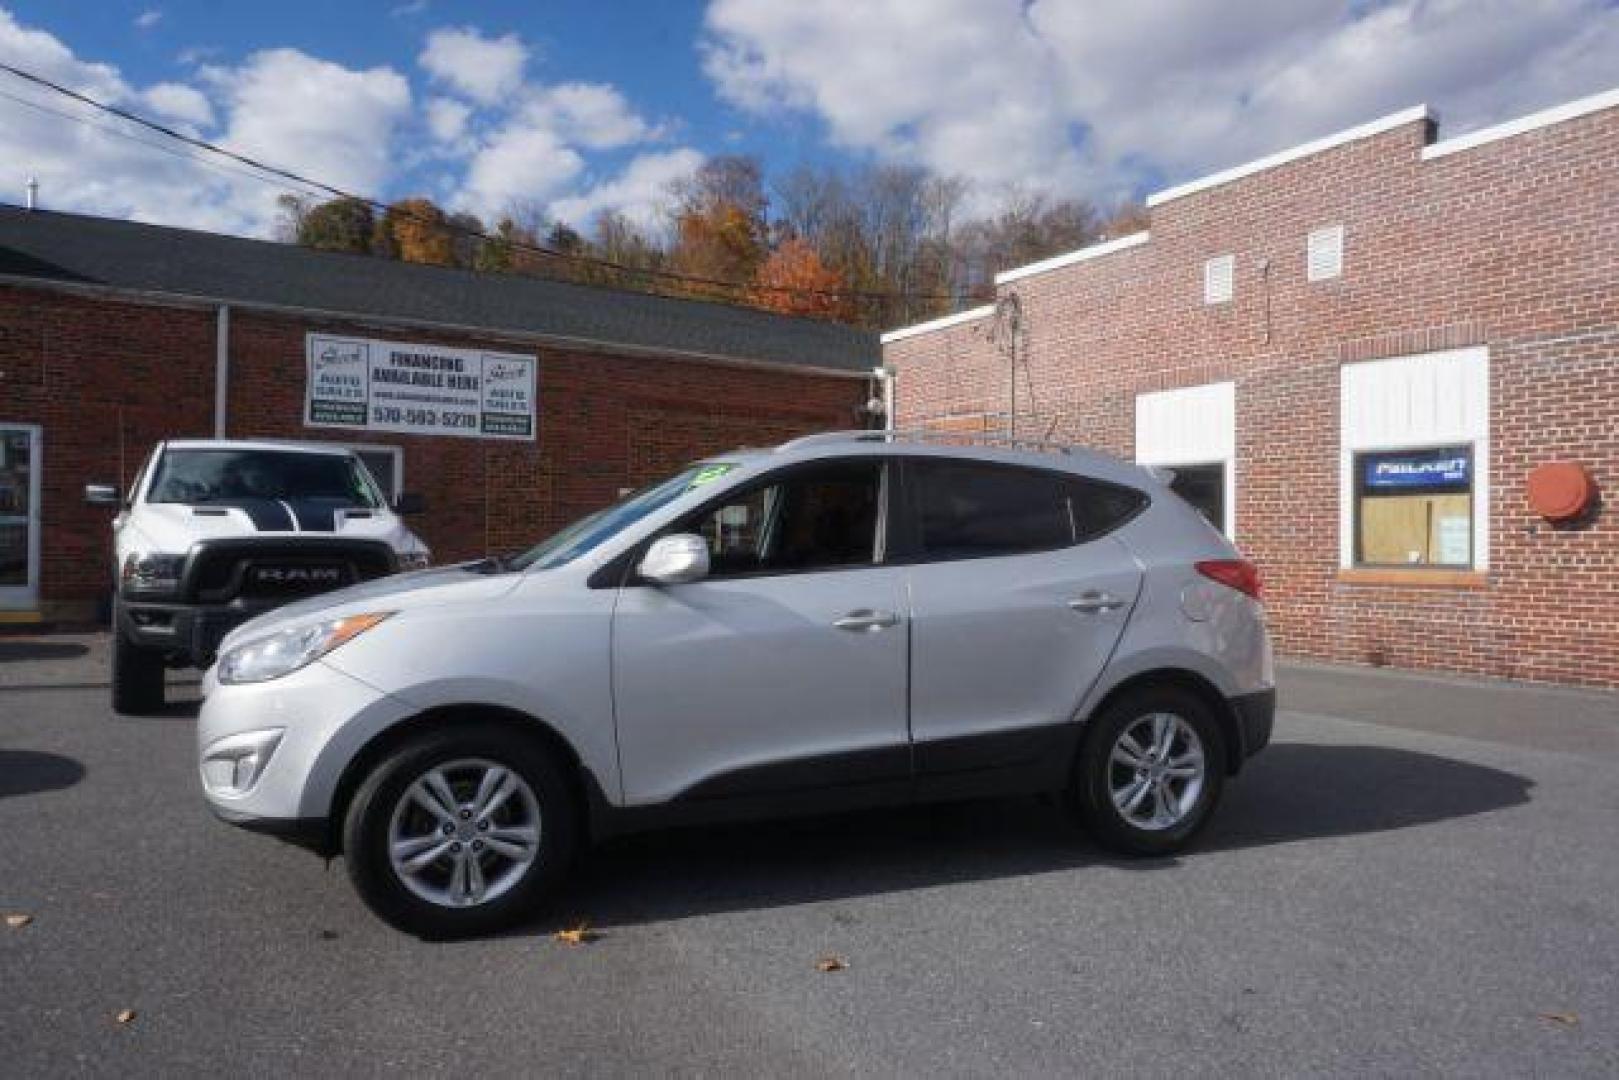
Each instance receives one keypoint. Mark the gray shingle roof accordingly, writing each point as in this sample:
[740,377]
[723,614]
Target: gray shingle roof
[129,255]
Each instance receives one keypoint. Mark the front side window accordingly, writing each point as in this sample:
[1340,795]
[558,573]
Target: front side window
[1414,507]
[818,518]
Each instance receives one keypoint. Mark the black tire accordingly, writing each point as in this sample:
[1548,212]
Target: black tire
[366,831]
[1096,773]
[137,677]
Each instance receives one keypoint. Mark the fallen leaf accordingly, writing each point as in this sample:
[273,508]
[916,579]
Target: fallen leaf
[126,1016]
[17,922]
[579,935]
[1567,1019]
[831,963]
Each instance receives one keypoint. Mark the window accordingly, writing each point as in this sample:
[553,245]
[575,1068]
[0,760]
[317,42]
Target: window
[1324,253]
[1415,508]
[967,510]
[187,475]
[1219,275]
[387,465]
[1414,472]
[814,518]
[1204,487]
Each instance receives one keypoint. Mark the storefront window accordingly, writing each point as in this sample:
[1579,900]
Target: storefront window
[1415,507]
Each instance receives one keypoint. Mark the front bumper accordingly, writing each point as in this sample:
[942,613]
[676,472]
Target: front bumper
[324,717]
[189,633]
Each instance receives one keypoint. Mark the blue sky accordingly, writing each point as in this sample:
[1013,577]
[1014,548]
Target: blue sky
[565,109]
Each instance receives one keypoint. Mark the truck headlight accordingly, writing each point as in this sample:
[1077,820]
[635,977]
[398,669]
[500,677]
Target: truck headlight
[285,651]
[152,573]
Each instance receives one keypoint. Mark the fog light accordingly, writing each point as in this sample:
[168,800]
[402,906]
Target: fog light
[231,766]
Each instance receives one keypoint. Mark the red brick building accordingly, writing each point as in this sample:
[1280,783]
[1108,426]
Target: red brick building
[1353,354]
[115,335]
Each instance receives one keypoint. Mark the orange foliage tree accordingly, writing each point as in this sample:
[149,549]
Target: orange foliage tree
[819,290]
[415,230]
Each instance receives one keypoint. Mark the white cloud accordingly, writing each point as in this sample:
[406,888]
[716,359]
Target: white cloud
[148,19]
[518,163]
[176,101]
[1095,96]
[594,115]
[313,117]
[639,192]
[447,118]
[485,69]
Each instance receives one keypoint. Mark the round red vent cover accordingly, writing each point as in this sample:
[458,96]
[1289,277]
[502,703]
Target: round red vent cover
[1561,490]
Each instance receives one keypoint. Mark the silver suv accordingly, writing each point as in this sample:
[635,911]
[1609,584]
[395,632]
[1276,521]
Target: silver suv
[846,620]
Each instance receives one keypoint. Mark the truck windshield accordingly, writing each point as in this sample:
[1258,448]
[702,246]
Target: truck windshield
[224,475]
[589,531]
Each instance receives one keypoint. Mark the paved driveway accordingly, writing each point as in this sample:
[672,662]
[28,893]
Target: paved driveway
[1378,894]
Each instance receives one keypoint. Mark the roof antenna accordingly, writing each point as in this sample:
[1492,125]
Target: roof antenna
[33,193]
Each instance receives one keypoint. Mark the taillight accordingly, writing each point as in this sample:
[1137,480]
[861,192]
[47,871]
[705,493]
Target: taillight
[1239,574]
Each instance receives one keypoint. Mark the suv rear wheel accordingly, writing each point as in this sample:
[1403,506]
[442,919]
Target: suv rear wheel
[137,676]
[460,833]
[1151,771]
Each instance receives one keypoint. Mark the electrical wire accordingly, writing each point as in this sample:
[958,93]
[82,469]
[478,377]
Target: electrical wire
[674,277]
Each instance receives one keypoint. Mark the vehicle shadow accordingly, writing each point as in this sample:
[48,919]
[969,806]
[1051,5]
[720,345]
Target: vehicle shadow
[28,772]
[1292,792]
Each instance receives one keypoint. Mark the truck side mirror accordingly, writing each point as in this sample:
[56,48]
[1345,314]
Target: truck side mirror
[410,502]
[101,494]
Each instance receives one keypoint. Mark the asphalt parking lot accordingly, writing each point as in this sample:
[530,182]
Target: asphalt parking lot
[1421,876]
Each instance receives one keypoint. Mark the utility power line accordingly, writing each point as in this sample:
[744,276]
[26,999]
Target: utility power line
[334,191]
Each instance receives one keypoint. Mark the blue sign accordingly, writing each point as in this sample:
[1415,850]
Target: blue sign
[1417,470]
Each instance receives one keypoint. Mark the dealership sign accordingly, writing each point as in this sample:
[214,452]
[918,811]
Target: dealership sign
[367,385]
[1429,469]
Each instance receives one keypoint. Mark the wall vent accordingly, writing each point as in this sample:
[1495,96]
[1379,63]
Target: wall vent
[1219,275]
[1324,254]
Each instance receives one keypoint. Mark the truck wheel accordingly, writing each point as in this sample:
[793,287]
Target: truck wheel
[461,832]
[1150,771]
[137,677]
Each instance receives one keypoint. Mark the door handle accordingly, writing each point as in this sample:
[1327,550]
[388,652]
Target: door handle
[1092,601]
[866,620]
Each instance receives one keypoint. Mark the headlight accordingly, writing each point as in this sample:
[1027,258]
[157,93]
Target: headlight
[415,560]
[286,651]
[152,573]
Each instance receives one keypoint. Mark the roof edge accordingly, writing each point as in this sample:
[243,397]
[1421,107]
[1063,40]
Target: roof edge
[1557,114]
[1364,131]
[471,330]
[1057,262]
[936,324]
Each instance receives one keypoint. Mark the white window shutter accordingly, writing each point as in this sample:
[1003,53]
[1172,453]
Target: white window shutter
[1324,253]
[1219,275]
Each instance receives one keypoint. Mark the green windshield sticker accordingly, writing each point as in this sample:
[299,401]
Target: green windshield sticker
[708,474]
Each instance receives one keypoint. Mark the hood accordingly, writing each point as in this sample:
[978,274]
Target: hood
[458,584]
[174,527]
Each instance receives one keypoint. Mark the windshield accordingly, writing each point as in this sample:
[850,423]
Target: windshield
[589,531]
[204,476]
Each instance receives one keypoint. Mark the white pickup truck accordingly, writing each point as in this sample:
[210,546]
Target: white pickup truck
[214,532]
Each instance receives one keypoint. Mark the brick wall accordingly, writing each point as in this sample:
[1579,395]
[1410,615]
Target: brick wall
[1512,244]
[108,378]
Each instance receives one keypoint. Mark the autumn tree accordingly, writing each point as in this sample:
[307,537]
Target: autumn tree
[338,225]
[720,228]
[794,281]
[415,230]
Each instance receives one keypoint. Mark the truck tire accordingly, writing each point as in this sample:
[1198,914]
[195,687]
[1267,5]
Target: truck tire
[137,677]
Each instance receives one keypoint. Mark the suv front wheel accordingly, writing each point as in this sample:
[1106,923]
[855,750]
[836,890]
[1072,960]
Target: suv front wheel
[1151,771]
[460,833]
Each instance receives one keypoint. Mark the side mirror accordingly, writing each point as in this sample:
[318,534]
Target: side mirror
[675,560]
[410,502]
[101,494]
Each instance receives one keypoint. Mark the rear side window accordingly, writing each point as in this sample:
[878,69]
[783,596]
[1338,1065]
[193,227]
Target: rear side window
[967,510]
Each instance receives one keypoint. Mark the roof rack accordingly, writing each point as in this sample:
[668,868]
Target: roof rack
[927,435]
